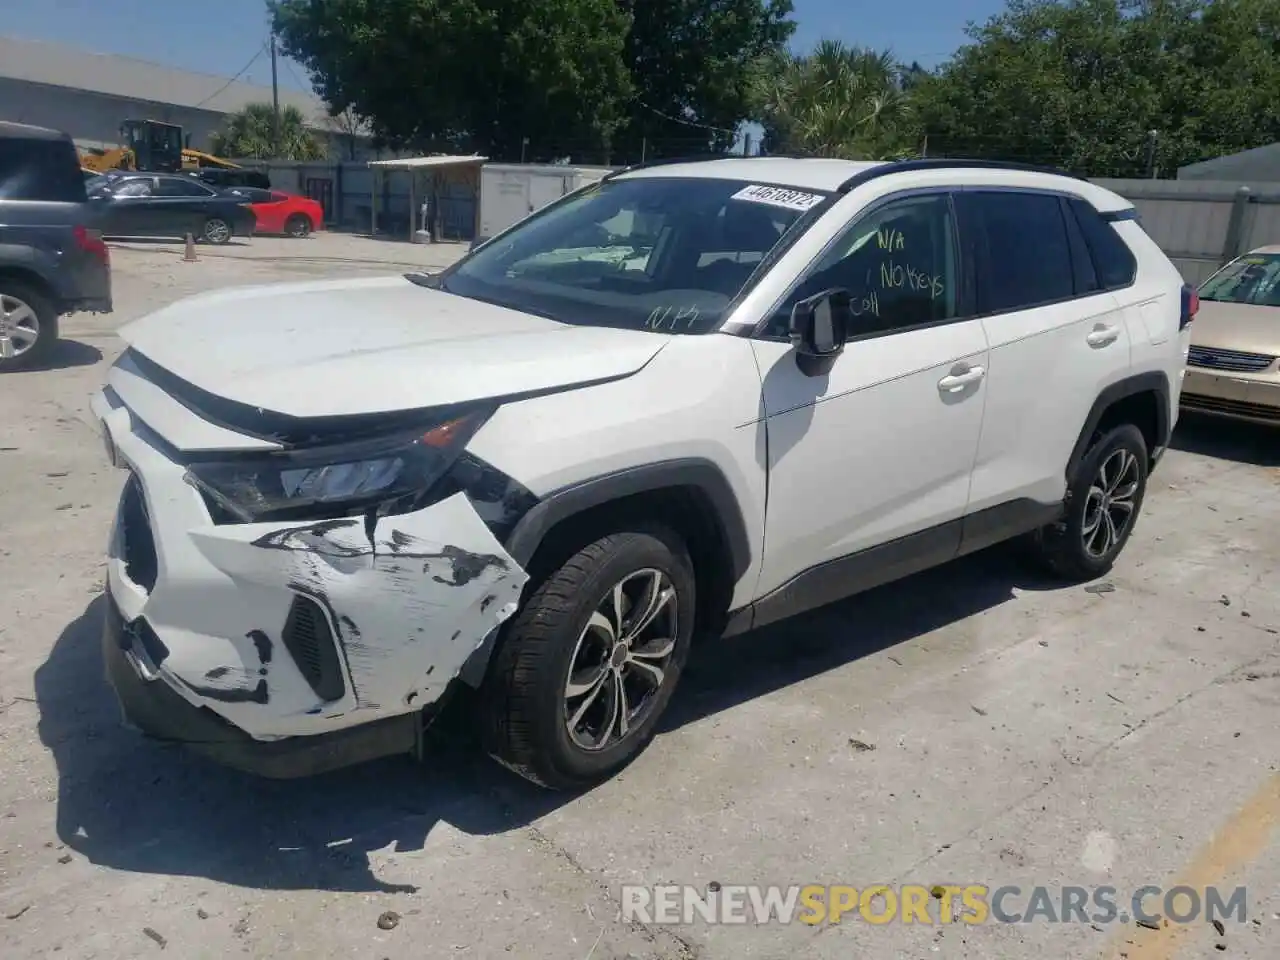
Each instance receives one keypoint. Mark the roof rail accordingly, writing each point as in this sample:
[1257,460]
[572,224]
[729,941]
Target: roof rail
[943,163]
[667,161]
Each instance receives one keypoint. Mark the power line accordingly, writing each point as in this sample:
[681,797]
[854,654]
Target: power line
[292,73]
[687,123]
[240,73]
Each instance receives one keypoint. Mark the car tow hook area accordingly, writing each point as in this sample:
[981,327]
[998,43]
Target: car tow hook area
[408,597]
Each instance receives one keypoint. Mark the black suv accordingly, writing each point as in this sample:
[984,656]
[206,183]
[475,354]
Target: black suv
[52,260]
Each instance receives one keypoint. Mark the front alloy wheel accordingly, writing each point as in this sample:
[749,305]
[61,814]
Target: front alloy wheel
[583,672]
[618,665]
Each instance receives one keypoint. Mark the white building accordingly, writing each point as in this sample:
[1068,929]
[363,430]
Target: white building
[88,95]
[1259,165]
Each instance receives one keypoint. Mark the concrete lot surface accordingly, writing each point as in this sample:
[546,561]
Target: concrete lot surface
[974,725]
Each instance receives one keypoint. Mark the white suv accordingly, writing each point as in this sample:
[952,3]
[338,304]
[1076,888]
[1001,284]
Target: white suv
[689,400]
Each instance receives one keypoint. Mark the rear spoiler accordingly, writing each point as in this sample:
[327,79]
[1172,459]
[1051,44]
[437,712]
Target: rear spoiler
[1114,216]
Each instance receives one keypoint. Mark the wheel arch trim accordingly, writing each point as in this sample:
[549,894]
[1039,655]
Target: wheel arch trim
[565,503]
[1151,381]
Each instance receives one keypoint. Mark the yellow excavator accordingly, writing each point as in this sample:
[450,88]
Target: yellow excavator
[152,145]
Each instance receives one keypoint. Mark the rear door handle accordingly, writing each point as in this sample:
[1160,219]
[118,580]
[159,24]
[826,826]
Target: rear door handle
[958,381]
[1103,336]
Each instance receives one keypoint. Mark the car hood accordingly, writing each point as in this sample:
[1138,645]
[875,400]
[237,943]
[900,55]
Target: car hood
[385,344]
[1237,326]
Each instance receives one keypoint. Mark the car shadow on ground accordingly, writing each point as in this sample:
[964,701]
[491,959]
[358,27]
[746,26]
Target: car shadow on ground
[1224,439]
[126,243]
[141,806]
[65,354]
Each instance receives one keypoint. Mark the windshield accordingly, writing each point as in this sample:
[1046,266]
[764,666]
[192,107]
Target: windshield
[648,253]
[1251,279]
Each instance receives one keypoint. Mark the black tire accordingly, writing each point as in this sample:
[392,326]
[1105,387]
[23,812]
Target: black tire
[523,700]
[299,225]
[1063,547]
[14,292]
[216,231]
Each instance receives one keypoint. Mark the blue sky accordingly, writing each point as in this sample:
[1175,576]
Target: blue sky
[221,38]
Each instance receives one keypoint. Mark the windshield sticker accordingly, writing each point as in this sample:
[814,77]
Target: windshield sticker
[779,197]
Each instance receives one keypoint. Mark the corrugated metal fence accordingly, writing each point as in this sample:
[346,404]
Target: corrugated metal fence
[1201,224]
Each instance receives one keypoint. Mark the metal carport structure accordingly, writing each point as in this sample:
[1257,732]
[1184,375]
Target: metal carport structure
[414,166]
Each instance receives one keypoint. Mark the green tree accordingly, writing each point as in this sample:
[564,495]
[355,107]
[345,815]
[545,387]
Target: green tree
[1109,87]
[249,133]
[837,101]
[692,65]
[468,74]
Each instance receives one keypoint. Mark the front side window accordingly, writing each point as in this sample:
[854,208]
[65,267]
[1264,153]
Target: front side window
[898,264]
[1254,278]
[133,188]
[647,253]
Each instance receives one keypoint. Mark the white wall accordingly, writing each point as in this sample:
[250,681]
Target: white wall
[94,119]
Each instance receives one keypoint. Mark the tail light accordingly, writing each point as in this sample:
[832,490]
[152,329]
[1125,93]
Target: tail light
[1190,305]
[91,242]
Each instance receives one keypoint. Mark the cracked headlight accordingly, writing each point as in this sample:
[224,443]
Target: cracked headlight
[393,474]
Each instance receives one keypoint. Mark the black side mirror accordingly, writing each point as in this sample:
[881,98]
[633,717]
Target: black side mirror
[819,327]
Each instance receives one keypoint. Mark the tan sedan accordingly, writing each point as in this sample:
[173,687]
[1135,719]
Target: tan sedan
[1233,368]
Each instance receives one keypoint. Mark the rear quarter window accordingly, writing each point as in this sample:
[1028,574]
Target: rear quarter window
[47,170]
[1113,261]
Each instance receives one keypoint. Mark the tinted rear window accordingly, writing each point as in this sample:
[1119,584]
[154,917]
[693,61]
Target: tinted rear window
[1113,261]
[250,194]
[40,170]
[1028,253]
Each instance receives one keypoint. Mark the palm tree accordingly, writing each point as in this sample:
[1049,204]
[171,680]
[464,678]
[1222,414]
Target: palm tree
[248,134]
[836,102]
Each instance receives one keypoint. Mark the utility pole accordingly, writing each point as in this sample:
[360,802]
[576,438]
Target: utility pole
[275,102]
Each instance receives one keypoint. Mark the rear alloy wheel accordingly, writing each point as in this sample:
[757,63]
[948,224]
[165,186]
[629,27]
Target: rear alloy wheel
[216,230]
[584,671]
[1103,503]
[28,326]
[298,225]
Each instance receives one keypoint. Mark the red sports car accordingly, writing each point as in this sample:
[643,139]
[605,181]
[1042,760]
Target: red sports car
[280,212]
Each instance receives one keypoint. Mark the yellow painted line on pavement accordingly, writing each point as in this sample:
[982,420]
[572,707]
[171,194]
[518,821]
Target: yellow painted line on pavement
[1233,846]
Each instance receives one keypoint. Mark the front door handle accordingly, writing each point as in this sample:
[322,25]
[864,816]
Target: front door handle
[1103,336]
[958,381]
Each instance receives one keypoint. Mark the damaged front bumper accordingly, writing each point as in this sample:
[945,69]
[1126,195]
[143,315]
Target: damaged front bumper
[288,648]
[154,708]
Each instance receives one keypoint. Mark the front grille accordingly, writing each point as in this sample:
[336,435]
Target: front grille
[1237,360]
[139,545]
[309,640]
[1232,408]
